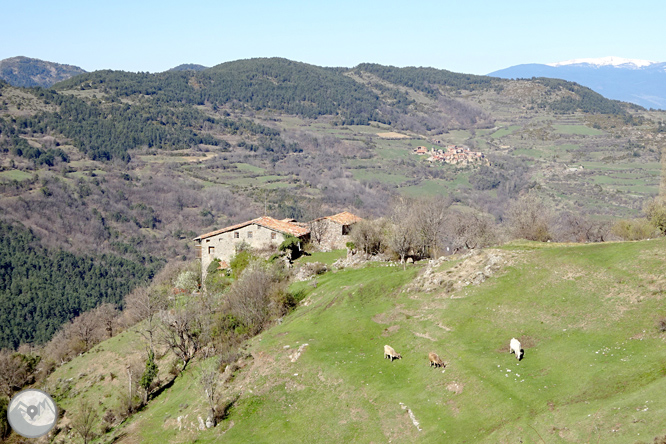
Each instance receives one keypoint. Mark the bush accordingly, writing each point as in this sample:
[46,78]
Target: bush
[367,235]
[187,280]
[636,229]
[213,267]
[239,262]
[252,298]
[5,429]
[291,246]
[530,218]
[655,210]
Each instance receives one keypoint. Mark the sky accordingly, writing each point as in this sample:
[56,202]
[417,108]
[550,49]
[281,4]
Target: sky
[468,36]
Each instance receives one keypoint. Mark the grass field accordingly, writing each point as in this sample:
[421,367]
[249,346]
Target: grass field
[586,315]
[10,175]
[436,187]
[580,130]
[326,258]
[504,131]
[380,176]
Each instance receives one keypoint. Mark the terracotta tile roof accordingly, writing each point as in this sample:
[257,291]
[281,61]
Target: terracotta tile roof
[344,218]
[264,221]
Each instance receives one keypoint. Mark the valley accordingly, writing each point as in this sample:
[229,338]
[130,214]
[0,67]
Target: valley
[107,177]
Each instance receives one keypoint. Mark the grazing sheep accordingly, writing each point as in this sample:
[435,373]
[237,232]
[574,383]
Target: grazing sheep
[389,353]
[434,360]
[514,347]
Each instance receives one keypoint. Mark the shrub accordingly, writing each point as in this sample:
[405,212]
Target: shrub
[367,235]
[187,280]
[655,210]
[635,229]
[530,218]
[291,246]
[250,298]
[213,266]
[239,262]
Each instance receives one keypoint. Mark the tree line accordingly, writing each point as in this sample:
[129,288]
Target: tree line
[41,289]
[428,228]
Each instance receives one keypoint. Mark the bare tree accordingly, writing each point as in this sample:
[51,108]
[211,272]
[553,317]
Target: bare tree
[144,304]
[400,238]
[429,216]
[469,230]
[401,234]
[209,381]
[13,372]
[107,316]
[249,298]
[367,235]
[317,230]
[579,228]
[84,421]
[529,218]
[180,330]
[85,329]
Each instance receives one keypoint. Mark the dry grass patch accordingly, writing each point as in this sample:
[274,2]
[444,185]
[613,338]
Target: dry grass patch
[393,135]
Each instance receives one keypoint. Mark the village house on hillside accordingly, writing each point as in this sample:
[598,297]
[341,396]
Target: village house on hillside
[332,232]
[260,233]
[454,155]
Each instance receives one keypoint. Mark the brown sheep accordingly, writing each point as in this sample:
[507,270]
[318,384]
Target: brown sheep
[389,353]
[434,360]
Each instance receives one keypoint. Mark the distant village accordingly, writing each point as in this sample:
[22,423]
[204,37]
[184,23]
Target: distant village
[455,155]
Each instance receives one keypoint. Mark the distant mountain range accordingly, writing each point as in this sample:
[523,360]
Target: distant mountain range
[642,82]
[27,72]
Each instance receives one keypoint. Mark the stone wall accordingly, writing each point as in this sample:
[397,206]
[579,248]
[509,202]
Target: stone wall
[223,246]
[333,235]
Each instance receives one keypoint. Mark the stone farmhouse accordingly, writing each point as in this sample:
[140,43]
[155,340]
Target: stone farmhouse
[262,233]
[332,232]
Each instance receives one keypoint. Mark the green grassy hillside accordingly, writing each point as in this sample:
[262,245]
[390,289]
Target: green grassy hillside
[593,371]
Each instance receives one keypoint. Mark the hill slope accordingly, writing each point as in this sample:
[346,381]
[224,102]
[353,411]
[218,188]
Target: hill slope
[585,314]
[27,72]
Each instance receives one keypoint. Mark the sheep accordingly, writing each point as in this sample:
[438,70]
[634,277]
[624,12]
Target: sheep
[389,353]
[434,360]
[514,347]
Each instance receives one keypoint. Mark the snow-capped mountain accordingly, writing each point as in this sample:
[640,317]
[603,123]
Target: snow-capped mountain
[642,82]
[618,62]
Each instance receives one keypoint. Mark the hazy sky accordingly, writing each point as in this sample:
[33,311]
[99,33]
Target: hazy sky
[463,35]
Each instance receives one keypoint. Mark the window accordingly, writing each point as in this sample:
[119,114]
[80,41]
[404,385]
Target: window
[236,235]
[211,250]
[249,234]
[273,235]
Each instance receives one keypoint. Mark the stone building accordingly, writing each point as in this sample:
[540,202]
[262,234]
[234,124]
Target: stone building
[332,232]
[263,233]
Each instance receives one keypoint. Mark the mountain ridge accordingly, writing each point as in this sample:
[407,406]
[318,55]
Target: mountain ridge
[636,81]
[28,72]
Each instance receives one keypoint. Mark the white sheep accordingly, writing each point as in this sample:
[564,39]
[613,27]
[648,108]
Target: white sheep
[514,347]
[389,353]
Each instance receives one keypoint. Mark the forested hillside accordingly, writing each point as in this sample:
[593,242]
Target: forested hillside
[42,289]
[27,72]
